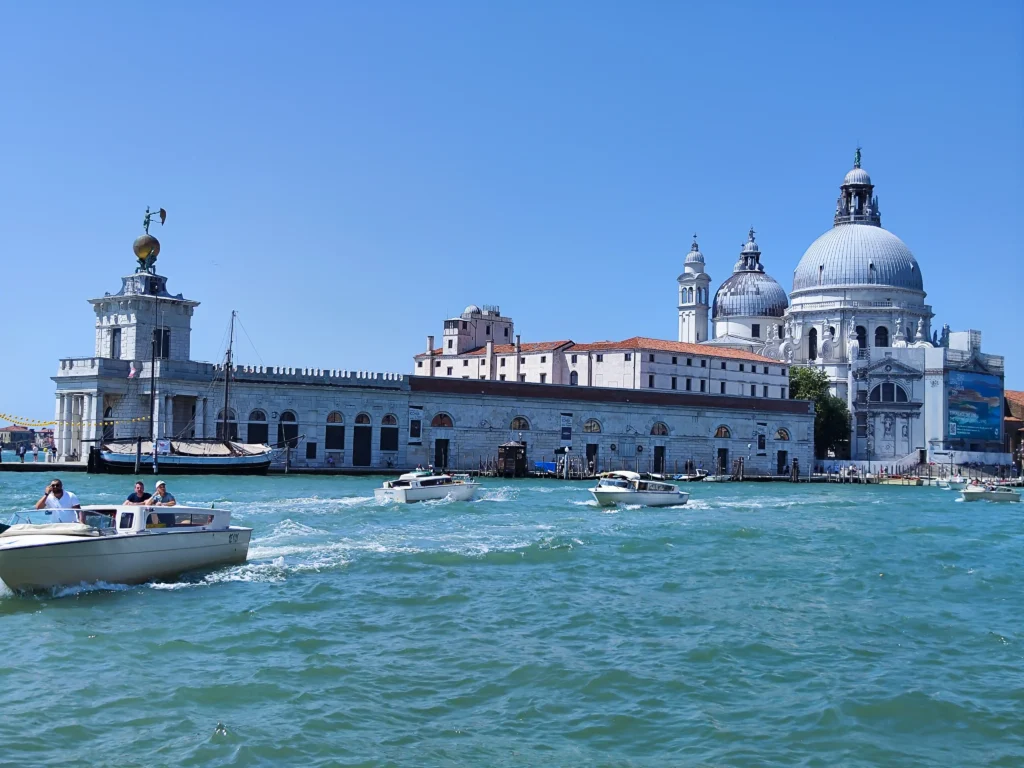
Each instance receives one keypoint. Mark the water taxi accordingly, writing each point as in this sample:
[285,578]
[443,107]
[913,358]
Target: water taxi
[423,485]
[989,493]
[629,488]
[118,545]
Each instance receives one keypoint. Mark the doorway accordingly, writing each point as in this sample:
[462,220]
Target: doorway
[781,462]
[362,445]
[659,459]
[592,458]
[440,453]
[722,465]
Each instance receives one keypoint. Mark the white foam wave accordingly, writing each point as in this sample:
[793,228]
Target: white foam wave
[587,503]
[505,493]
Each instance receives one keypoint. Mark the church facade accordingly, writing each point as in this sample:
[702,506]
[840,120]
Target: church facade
[857,311]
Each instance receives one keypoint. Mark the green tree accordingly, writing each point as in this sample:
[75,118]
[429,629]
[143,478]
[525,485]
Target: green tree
[831,416]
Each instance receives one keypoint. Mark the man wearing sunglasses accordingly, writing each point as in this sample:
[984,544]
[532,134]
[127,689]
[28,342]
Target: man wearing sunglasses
[63,503]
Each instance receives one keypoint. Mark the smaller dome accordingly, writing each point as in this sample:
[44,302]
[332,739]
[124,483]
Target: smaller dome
[857,176]
[472,309]
[694,256]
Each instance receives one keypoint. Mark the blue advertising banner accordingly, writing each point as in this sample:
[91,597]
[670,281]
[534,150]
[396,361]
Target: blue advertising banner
[975,406]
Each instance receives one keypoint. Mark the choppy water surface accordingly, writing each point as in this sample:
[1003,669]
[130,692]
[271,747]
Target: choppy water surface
[761,624]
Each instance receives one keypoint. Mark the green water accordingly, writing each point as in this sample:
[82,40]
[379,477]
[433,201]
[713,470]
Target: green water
[759,625]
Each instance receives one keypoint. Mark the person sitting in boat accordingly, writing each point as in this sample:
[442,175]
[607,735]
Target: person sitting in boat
[63,502]
[138,496]
[162,498]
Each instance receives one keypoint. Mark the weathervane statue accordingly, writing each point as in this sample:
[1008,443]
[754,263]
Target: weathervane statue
[147,247]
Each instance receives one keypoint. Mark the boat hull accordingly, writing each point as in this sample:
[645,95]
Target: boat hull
[124,464]
[609,497]
[70,561]
[457,492]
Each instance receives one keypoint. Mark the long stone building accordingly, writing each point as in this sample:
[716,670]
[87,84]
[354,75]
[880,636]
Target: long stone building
[641,403]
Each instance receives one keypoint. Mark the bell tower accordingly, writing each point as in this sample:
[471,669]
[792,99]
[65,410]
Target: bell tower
[693,297]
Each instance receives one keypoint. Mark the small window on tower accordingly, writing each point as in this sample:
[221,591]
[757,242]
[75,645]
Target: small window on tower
[755,330]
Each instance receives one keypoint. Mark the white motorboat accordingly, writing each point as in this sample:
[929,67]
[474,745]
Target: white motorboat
[628,488]
[118,545]
[426,486]
[717,479]
[989,493]
[692,477]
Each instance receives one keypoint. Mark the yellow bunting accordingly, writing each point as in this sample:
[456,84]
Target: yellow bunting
[38,423]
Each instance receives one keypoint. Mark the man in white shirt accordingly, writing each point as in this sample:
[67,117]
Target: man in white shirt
[63,503]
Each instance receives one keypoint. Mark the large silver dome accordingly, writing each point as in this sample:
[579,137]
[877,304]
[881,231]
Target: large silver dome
[858,254]
[749,292]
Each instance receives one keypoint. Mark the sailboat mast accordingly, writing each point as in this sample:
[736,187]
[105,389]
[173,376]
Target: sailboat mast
[227,379]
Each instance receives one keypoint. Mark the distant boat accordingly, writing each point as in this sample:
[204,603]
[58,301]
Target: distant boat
[629,488]
[692,477]
[989,493]
[423,485]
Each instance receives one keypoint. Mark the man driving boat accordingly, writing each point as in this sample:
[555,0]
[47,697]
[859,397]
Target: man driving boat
[63,503]
[139,496]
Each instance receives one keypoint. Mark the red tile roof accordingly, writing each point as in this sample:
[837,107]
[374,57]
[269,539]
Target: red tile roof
[1015,401]
[636,343]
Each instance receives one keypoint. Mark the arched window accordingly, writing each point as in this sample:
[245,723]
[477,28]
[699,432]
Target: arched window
[334,436]
[591,425]
[108,426]
[232,433]
[812,344]
[363,418]
[723,431]
[389,433]
[782,434]
[862,336]
[888,392]
[574,379]
[441,420]
[659,430]
[288,430]
[519,424]
[881,336]
[257,431]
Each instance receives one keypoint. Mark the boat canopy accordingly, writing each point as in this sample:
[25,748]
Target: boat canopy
[191,448]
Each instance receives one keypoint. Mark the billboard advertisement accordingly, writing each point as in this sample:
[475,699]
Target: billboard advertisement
[975,406]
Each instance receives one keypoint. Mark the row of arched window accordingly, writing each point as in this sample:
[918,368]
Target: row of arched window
[701,295]
[881,339]
[780,434]
[258,430]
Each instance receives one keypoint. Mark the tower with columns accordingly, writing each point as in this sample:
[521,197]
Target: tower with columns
[693,297]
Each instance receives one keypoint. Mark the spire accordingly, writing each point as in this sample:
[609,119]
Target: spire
[694,246]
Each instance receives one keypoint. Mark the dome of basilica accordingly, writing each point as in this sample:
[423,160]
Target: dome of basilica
[857,251]
[749,291]
[858,254]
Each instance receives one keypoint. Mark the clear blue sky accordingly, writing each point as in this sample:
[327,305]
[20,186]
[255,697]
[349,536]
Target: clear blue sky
[346,175]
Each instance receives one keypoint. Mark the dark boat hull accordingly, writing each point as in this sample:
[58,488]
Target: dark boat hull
[173,465]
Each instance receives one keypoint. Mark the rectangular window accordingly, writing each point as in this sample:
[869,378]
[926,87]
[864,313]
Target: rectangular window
[600,358]
[783,395]
[543,378]
[650,358]
[502,363]
[862,425]
[783,372]
[522,377]
[723,365]
[765,392]
[419,363]
[766,369]
[703,363]
[501,377]
[673,382]
[482,362]
[722,387]
[741,367]
[465,363]
[449,370]
[415,429]
[162,343]
[753,390]
[464,325]
[650,381]
[543,358]
[689,361]
[127,520]
[574,358]
[675,360]
[389,438]
[310,450]
[506,331]
[755,330]
[115,343]
[487,330]
[449,343]
[522,361]
[702,383]
[689,384]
